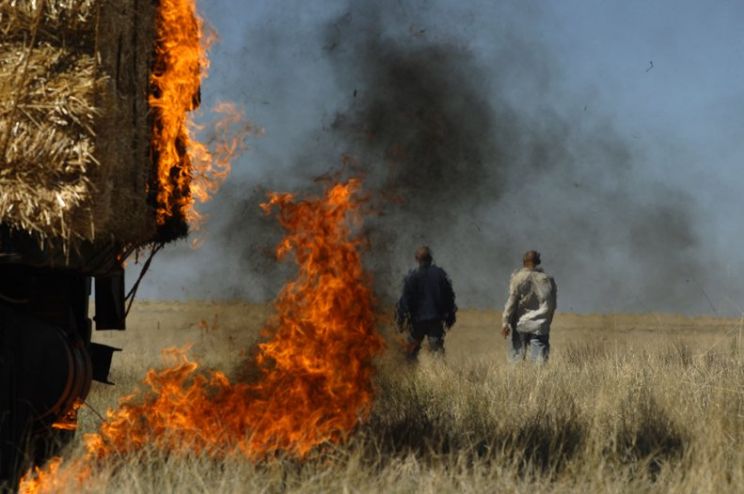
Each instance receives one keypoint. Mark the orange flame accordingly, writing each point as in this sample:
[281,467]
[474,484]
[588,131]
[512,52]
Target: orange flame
[69,421]
[43,480]
[211,161]
[315,367]
[54,477]
[180,65]
[188,171]
[324,336]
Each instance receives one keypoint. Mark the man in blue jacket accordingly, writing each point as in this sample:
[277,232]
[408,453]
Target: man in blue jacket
[427,306]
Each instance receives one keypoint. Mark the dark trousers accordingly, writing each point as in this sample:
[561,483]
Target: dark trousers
[434,333]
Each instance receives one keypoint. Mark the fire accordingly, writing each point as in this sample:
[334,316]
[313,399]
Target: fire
[211,161]
[324,337]
[54,477]
[188,170]
[315,367]
[45,480]
[69,421]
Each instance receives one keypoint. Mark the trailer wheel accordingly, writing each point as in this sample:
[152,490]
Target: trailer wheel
[43,373]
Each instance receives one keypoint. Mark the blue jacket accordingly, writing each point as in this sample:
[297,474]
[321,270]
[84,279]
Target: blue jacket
[427,296]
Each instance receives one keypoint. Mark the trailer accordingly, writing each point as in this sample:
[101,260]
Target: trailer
[82,188]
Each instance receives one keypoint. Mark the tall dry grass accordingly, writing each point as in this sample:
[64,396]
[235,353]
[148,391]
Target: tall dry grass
[629,409]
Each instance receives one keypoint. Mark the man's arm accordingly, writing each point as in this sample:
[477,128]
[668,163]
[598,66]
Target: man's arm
[403,307]
[508,320]
[553,299]
[448,295]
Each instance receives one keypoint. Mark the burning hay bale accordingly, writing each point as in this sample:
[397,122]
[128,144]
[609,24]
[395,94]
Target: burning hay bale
[77,164]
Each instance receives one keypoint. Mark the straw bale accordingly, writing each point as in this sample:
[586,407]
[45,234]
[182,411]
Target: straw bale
[125,41]
[74,128]
[60,18]
[47,130]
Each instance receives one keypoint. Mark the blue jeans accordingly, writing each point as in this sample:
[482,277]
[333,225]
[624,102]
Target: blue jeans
[528,345]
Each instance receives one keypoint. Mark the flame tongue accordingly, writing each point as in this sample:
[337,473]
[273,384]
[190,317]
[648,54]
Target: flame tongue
[180,64]
[315,367]
[187,170]
[324,339]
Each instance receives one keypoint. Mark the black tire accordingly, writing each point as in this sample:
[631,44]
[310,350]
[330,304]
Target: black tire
[42,373]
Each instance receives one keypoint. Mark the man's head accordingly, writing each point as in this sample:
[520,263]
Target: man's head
[531,259]
[423,255]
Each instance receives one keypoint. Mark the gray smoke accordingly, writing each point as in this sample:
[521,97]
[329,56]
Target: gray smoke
[482,158]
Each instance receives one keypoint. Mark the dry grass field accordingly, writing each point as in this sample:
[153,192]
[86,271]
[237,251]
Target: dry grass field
[627,404]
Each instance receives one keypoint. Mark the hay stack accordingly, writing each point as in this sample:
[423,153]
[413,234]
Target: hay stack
[60,18]
[48,138]
[74,131]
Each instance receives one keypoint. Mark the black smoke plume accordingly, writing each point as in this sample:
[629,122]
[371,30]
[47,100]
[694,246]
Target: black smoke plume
[483,156]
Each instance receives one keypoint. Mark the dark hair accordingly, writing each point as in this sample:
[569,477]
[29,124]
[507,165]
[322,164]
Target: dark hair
[531,257]
[423,255]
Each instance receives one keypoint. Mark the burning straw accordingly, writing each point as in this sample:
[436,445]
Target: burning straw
[96,136]
[56,91]
[315,367]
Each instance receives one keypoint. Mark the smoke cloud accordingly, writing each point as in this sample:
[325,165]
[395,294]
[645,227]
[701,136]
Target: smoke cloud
[480,152]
